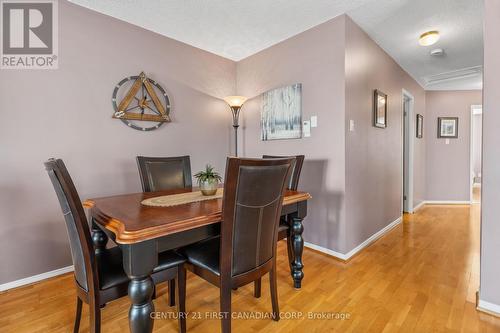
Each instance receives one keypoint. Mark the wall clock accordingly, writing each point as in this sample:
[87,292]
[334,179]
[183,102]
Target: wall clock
[136,103]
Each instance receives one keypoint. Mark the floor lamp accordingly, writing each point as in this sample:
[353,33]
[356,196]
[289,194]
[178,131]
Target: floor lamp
[235,103]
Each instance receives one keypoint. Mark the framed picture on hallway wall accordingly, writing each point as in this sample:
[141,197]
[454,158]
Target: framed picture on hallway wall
[420,126]
[448,127]
[379,109]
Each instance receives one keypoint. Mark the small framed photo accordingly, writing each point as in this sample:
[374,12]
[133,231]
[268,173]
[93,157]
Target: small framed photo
[420,126]
[379,109]
[448,127]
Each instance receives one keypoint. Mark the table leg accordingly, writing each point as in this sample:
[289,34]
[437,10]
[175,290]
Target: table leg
[99,238]
[140,291]
[297,248]
[138,261]
[289,245]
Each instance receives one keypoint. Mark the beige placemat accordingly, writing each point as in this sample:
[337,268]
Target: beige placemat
[180,199]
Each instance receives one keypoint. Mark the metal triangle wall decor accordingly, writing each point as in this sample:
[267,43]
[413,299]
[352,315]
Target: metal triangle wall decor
[136,102]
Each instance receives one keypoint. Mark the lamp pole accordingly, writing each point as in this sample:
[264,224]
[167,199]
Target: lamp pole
[236,115]
[235,103]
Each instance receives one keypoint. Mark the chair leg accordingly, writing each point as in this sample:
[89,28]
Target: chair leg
[78,314]
[171,292]
[225,307]
[95,318]
[256,287]
[274,293]
[181,298]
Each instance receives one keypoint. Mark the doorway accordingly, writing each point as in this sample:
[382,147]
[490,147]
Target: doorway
[408,141]
[476,134]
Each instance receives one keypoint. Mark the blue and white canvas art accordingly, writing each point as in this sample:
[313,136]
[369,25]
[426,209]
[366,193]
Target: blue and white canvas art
[281,113]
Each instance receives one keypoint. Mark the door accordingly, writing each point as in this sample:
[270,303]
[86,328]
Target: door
[475,153]
[406,154]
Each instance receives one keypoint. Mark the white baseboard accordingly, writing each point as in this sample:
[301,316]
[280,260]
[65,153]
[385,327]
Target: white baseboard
[446,202]
[35,278]
[417,207]
[358,248]
[321,249]
[488,307]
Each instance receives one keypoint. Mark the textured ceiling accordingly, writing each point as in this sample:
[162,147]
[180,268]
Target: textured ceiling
[236,29]
[396,26]
[233,29]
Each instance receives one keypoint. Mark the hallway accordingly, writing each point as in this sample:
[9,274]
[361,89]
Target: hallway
[421,277]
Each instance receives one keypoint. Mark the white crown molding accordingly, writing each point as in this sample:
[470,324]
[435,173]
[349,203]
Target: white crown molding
[453,75]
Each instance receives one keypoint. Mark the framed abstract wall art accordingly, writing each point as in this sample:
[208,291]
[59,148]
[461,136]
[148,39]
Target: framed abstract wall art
[281,113]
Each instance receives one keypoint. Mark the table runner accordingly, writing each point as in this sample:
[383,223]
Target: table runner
[180,199]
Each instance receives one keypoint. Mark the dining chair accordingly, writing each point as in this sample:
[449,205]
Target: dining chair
[284,230]
[99,276]
[164,173]
[246,248]
[161,174]
[293,182]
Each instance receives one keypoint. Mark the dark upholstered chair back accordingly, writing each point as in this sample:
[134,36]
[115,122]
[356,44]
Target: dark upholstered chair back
[164,173]
[253,196]
[293,182]
[82,251]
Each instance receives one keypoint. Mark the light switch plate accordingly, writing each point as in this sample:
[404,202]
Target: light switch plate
[447,142]
[306,128]
[351,125]
[314,121]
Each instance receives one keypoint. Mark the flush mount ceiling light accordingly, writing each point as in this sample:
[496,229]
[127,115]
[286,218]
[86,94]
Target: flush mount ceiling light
[428,38]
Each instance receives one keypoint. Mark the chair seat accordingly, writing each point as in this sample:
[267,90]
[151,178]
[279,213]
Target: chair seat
[111,273]
[204,254]
[283,227]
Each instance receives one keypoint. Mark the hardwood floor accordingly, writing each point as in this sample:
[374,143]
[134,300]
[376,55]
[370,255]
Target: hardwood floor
[420,277]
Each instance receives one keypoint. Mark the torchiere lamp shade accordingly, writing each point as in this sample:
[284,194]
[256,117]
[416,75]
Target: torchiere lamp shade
[235,103]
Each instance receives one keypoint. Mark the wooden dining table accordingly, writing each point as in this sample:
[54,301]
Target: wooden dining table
[142,232]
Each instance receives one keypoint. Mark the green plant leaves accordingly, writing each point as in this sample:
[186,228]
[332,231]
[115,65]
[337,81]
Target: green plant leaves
[209,175]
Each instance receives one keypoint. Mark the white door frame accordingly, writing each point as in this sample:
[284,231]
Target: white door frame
[411,143]
[471,150]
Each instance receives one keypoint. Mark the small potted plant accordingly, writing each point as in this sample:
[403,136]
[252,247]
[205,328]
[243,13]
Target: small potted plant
[208,180]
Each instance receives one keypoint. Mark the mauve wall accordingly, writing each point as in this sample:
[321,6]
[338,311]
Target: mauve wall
[490,224]
[314,58]
[448,165]
[67,113]
[374,155]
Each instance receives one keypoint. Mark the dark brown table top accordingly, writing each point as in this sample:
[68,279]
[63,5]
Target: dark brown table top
[131,222]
